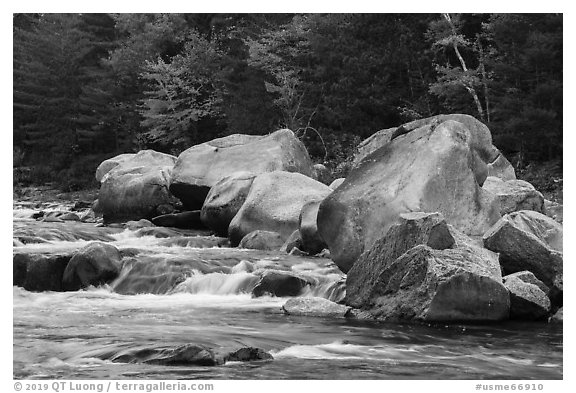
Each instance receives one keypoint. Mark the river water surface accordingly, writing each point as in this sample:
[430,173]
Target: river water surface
[170,294]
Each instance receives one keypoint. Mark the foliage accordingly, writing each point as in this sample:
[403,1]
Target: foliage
[182,93]
[96,85]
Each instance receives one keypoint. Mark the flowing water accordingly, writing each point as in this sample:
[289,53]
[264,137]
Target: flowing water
[170,294]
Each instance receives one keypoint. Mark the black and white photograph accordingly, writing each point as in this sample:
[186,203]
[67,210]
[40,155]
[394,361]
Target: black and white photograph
[201,197]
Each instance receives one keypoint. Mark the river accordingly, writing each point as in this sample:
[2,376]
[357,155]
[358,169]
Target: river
[170,294]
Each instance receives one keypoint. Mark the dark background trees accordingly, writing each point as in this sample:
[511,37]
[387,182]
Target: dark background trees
[90,86]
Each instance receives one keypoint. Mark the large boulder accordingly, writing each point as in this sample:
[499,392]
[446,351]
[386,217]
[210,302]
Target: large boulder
[136,186]
[262,240]
[364,281]
[95,264]
[311,240]
[411,230]
[528,240]
[184,355]
[514,195]
[111,163]
[480,141]
[224,200]
[315,307]
[434,168]
[274,204]
[527,301]
[435,285]
[202,166]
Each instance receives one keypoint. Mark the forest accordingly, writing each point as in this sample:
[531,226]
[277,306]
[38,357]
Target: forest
[87,87]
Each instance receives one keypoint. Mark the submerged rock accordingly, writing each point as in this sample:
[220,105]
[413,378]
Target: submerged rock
[196,242]
[433,168]
[262,240]
[200,167]
[95,264]
[274,204]
[315,307]
[170,232]
[185,355]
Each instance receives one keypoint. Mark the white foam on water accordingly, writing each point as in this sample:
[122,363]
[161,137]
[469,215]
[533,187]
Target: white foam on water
[335,350]
[339,350]
[103,298]
[218,283]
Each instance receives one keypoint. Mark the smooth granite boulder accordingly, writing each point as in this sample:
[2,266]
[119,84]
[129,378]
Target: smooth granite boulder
[274,204]
[200,167]
[434,168]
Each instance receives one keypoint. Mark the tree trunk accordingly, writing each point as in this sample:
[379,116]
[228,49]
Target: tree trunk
[484,79]
[470,89]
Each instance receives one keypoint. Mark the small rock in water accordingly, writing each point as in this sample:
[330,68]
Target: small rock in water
[325,253]
[51,219]
[38,215]
[247,354]
[69,217]
[262,240]
[277,283]
[142,223]
[189,354]
[243,266]
[294,240]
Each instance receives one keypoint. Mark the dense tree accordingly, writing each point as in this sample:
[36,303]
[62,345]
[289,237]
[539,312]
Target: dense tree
[88,86]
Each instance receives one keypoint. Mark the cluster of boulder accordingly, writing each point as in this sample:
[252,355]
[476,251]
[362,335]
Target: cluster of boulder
[431,224]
